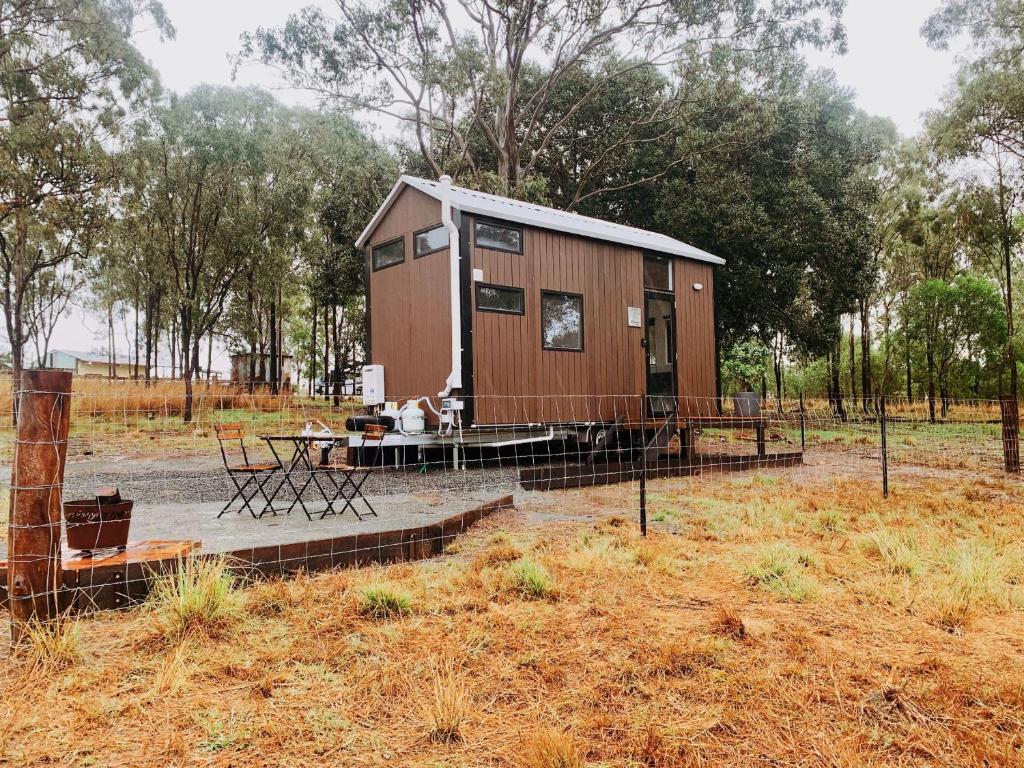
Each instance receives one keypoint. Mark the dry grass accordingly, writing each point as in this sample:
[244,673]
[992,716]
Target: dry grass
[102,397]
[688,648]
[51,646]
[449,704]
[200,597]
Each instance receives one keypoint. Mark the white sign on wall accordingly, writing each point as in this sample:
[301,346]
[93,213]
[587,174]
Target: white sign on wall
[634,317]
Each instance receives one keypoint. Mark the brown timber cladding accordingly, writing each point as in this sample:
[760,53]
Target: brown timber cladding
[515,380]
[410,321]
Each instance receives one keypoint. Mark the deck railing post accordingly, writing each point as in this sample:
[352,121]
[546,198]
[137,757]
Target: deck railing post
[34,571]
[885,446]
[1011,433]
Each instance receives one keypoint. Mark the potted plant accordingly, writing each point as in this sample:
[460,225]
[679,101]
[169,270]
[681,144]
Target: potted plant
[744,365]
[98,523]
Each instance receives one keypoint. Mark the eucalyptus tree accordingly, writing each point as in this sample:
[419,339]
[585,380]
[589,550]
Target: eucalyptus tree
[200,150]
[956,320]
[989,228]
[68,75]
[449,69]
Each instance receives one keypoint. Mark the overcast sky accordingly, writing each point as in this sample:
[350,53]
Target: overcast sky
[888,65]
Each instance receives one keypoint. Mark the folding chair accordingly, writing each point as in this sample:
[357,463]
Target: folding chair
[255,474]
[349,487]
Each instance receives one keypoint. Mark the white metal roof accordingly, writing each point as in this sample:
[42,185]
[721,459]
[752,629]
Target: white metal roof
[507,209]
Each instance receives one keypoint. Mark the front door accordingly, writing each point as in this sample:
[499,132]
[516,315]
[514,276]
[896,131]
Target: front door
[660,344]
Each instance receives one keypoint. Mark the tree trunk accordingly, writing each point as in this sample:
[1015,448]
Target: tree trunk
[280,339]
[251,383]
[1007,252]
[209,357]
[866,385]
[327,353]
[336,373]
[273,347]
[312,355]
[186,367]
[910,377]
[14,307]
[777,361]
[111,343]
[135,370]
[931,381]
[148,335]
[853,367]
[173,331]
[837,392]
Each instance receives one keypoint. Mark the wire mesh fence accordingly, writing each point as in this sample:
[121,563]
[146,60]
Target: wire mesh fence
[285,483]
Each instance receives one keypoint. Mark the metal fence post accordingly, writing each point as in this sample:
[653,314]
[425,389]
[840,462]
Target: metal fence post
[1011,433]
[34,568]
[885,447]
[643,468]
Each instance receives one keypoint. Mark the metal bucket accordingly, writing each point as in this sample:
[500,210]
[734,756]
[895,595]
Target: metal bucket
[92,525]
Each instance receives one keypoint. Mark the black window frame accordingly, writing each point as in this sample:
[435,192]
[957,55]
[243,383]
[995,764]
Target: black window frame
[431,228]
[583,322]
[503,225]
[515,288]
[392,241]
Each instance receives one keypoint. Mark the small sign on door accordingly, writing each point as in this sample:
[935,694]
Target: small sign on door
[634,317]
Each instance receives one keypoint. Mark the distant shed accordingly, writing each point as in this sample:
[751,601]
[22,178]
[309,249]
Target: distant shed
[562,318]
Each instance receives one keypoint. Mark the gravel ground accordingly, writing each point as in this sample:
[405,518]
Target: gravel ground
[195,481]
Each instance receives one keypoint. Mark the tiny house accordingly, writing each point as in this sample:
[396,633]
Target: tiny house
[530,315]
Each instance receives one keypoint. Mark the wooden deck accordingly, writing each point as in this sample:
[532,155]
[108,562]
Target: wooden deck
[119,579]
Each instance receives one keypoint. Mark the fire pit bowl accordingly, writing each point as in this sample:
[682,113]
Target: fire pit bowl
[94,524]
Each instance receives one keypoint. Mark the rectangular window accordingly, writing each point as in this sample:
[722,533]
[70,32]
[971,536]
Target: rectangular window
[561,320]
[499,298]
[657,272]
[389,254]
[429,240]
[500,237]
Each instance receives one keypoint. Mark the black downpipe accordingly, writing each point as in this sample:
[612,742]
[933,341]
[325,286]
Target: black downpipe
[466,282]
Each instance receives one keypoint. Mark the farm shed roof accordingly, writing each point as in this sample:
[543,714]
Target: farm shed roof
[507,209]
[93,357]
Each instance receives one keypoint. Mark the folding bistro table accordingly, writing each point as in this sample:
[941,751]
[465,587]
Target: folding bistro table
[300,462]
[348,479]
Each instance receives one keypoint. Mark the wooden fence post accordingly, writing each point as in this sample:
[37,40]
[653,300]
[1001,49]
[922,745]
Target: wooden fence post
[1011,433]
[34,568]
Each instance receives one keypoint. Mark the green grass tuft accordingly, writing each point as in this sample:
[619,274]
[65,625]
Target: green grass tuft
[782,569]
[529,579]
[380,601]
[898,551]
[199,597]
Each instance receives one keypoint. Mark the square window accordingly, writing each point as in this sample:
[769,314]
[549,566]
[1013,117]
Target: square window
[429,240]
[499,298]
[388,254]
[561,321]
[657,272]
[499,237]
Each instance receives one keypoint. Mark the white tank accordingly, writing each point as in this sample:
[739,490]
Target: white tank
[414,421]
